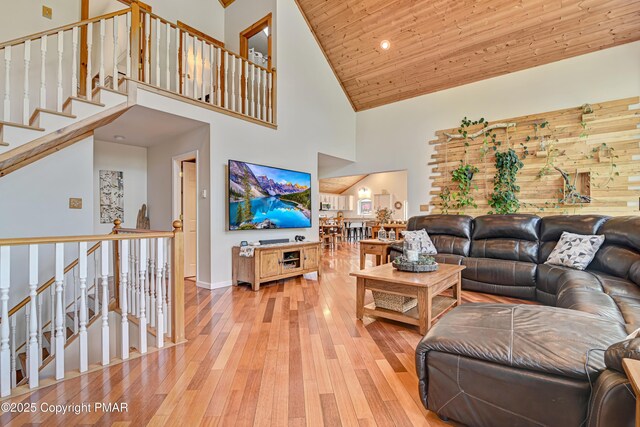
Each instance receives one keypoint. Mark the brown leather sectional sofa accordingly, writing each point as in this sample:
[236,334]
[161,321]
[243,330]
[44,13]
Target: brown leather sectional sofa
[557,364]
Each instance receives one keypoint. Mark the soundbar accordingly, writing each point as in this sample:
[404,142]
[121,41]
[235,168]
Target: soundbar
[273,241]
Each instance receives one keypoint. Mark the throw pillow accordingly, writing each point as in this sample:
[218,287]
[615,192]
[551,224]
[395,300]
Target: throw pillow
[575,250]
[423,240]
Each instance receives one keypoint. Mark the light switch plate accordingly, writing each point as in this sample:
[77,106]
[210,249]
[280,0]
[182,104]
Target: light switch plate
[424,208]
[75,203]
[47,12]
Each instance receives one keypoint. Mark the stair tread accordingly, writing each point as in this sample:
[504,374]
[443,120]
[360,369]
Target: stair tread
[4,144]
[46,110]
[19,125]
[97,89]
[88,101]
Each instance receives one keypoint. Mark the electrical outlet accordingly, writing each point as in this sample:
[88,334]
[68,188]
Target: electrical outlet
[47,12]
[75,203]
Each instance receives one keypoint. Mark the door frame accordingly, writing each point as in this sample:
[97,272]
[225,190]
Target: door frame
[252,31]
[176,195]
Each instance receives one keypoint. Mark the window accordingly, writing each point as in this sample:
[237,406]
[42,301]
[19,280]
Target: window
[365,207]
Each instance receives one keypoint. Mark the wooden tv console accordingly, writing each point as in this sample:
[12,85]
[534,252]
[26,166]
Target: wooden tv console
[275,262]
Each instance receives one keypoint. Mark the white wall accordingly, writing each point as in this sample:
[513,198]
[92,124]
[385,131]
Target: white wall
[24,17]
[313,115]
[160,191]
[395,136]
[132,161]
[378,183]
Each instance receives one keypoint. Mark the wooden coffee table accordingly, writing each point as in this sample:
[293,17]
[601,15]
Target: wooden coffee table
[379,248]
[426,287]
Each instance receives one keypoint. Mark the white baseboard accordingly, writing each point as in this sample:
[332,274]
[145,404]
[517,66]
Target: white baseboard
[212,286]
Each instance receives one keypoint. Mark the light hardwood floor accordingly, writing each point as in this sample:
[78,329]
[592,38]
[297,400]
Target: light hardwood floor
[291,354]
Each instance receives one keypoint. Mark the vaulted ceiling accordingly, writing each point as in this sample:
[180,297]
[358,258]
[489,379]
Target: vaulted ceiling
[439,44]
[340,184]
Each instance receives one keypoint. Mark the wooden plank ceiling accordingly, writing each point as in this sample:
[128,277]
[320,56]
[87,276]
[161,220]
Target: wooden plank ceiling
[439,44]
[339,185]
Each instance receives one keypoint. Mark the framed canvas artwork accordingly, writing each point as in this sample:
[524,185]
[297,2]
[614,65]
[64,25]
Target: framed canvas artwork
[111,196]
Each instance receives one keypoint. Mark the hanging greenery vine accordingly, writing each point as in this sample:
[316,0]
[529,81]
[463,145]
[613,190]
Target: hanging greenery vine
[504,199]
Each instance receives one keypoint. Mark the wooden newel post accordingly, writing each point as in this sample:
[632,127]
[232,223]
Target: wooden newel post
[136,46]
[116,261]
[177,307]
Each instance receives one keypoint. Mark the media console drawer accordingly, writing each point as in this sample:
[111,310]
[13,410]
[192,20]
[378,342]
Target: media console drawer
[275,262]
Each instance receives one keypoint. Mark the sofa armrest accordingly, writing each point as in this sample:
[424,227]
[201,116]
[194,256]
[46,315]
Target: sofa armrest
[627,349]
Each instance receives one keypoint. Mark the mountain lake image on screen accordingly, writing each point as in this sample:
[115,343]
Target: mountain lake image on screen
[263,197]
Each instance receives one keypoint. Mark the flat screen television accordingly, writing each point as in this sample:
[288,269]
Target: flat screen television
[263,197]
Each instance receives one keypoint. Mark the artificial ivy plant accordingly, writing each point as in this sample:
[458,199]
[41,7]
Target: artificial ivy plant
[504,199]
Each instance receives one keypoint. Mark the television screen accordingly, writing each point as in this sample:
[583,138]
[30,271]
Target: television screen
[263,197]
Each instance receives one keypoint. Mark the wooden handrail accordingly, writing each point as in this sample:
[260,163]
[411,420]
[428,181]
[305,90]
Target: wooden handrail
[87,238]
[64,28]
[50,282]
[200,34]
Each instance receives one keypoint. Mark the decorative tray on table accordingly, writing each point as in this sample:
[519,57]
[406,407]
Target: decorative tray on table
[424,264]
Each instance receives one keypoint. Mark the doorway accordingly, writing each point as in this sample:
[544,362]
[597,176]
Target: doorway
[189,214]
[255,43]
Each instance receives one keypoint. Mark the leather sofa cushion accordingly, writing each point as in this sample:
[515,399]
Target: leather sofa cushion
[474,393]
[591,301]
[516,226]
[453,225]
[447,244]
[550,277]
[449,259]
[552,227]
[508,249]
[549,340]
[622,231]
[500,272]
[615,260]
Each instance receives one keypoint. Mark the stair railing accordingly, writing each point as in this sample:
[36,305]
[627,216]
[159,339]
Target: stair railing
[113,264]
[141,46]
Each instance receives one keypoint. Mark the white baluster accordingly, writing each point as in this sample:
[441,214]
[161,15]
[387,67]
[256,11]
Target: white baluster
[147,47]
[82,273]
[128,43]
[33,346]
[264,95]
[43,72]
[167,293]
[152,284]
[178,59]
[226,79]
[7,84]
[202,85]
[159,297]
[124,285]
[252,73]
[101,58]
[96,284]
[27,325]
[240,101]
[218,79]
[60,330]
[193,74]
[142,272]
[135,304]
[89,81]
[75,301]
[114,81]
[185,56]
[167,30]
[52,322]
[233,83]
[211,74]
[158,52]
[270,97]
[40,332]
[5,280]
[104,274]
[59,87]
[25,102]
[74,61]
[12,346]
[245,101]
[259,94]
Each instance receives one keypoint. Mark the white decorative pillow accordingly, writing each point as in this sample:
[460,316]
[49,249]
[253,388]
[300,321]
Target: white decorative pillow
[423,240]
[575,250]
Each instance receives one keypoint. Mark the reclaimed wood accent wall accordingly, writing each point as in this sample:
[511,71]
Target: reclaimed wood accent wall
[573,141]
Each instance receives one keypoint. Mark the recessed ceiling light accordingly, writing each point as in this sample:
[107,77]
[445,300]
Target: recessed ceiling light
[119,137]
[385,44]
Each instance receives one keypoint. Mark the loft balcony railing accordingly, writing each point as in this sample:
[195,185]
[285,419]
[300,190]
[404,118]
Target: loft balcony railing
[43,70]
